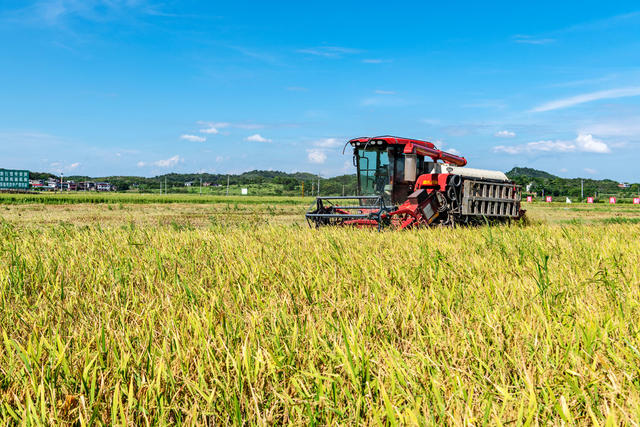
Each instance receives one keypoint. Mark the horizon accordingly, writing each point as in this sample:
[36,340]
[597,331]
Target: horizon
[144,88]
[299,172]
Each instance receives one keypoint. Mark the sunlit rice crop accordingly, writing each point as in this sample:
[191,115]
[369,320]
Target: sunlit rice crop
[285,324]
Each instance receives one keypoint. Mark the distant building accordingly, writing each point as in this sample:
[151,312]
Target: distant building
[12,179]
[188,184]
[624,185]
[53,183]
[104,186]
[87,186]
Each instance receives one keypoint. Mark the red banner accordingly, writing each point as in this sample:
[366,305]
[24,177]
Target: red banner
[612,200]
[549,199]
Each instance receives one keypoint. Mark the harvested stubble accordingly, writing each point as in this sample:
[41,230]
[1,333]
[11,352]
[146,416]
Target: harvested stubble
[147,325]
[74,198]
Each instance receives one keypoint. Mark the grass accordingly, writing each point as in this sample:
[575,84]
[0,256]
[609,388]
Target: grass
[174,320]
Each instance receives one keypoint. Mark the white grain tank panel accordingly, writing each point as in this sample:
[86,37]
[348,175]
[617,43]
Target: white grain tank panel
[470,172]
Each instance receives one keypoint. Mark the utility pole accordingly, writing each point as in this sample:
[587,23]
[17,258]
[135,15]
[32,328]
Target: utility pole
[227,185]
[201,186]
[311,188]
[61,181]
[302,188]
[318,185]
[342,189]
[582,189]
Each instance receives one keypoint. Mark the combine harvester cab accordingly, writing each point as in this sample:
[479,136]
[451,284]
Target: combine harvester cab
[406,183]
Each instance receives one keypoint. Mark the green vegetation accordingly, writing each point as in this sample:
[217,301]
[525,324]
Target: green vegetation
[529,173]
[264,183]
[114,314]
[570,187]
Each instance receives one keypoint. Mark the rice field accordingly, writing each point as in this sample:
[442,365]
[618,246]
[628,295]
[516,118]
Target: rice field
[235,312]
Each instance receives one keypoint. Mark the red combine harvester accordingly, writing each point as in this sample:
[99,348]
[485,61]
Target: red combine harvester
[402,184]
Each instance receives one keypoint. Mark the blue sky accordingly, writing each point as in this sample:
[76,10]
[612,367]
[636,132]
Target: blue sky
[143,88]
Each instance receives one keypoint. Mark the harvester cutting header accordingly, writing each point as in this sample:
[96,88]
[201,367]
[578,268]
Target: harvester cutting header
[406,183]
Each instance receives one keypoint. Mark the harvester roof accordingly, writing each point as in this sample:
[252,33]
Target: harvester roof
[411,146]
[388,139]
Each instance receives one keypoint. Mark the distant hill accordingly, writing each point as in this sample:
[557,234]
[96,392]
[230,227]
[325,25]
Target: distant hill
[529,172]
[543,182]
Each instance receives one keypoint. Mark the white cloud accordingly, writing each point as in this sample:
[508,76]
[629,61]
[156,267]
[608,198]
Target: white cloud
[141,164]
[591,171]
[588,97]
[328,143]
[586,142]
[328,51]
[319,154]
[247,125]
[629,127]
[193,138]
[58,12]
[504,134]
[66,168]
[257,138]
[522,38]
[215,127]
[297,89]
[368,102]
[210,130]
[583,143]
[453,151]
[374,61]
[170,162]
[316,156]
